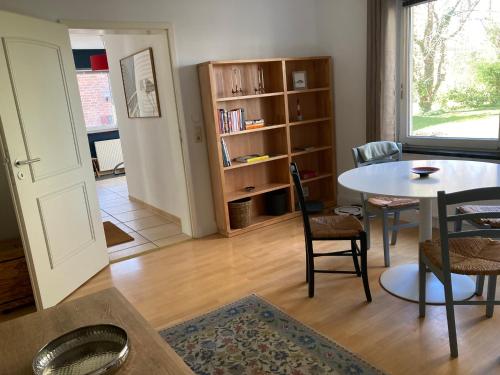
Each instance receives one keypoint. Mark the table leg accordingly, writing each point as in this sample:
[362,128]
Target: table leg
[402,281]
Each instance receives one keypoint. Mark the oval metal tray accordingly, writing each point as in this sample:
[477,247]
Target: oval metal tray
[98,349]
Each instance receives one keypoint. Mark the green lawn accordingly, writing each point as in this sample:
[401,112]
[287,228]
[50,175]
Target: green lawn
[423,121]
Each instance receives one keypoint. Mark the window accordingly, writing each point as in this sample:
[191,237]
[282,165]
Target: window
[451,73]
[97,102]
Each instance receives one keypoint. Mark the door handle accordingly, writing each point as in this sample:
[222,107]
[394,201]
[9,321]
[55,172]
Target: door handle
[19,163]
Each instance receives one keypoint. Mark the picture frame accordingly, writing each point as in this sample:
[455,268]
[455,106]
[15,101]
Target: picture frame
[139,85]
[299,79]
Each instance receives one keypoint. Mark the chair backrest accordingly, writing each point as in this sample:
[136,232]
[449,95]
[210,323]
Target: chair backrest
[467,196]
[294,171]
[359,161]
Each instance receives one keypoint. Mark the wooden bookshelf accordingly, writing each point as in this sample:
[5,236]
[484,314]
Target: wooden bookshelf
[308,140]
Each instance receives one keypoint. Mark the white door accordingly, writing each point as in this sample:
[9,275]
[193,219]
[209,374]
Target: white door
[45,148]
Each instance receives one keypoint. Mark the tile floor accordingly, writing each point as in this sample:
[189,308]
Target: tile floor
[149,230]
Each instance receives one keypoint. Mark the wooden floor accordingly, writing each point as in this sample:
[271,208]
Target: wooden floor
[188,279]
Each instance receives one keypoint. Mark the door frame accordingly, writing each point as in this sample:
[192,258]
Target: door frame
[122,27]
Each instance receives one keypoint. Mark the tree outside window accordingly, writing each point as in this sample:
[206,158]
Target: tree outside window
[455,69]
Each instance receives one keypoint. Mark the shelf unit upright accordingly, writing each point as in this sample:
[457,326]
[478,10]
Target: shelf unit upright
[308,140]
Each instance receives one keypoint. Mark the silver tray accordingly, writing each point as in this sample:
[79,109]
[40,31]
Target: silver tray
[98,349]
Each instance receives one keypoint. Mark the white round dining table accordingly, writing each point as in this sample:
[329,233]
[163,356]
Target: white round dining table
[396,179]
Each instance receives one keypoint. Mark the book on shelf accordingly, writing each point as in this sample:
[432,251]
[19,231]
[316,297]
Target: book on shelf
[235,121]
[251,158]
[226,159]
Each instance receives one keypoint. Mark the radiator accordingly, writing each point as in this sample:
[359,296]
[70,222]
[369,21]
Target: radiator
[109,154]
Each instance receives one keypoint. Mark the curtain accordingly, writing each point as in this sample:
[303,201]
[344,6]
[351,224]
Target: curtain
[382,63]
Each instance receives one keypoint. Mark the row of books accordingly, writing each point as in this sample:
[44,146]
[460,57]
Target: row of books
[235,121]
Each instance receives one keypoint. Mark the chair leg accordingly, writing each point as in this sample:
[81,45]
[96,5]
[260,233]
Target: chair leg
[458,224]
[479,285]
[307,259]
[385,236]
[310,271]
[395,228]
[422,278]
[307,267]
[364,266]
[366,224]
[355,258]
[450,315]
[490,304]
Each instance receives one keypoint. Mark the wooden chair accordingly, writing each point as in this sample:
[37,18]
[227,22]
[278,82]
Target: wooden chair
[331,228]
[481,224]
[469,252]
[384,206]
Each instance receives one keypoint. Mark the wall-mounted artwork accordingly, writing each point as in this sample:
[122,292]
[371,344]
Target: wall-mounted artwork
[139,83]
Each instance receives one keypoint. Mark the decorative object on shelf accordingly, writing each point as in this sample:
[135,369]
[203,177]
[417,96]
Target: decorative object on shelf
[139,84]
[424,171]
[252,158]
[240,213]
[307,174]
[299,80]
[226,159]
[236,84]
[260,81]
[299,112]
[276,202]
[97,349]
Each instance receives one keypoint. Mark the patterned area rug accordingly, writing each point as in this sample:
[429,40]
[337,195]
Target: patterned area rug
[253,337]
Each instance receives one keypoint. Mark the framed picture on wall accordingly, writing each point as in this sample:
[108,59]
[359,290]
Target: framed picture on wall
[299,80]
[139,84]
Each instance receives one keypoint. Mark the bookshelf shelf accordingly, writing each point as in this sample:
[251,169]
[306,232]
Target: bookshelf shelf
[282,136]
[242,97]
[319,89]
[311,121]
[315,149]
[243,165]
[261,189]
[264,128]
[319,177]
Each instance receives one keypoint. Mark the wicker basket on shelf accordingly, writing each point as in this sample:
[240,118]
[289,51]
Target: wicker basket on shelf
[240,213]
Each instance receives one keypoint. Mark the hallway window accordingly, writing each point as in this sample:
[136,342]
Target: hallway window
[97,101]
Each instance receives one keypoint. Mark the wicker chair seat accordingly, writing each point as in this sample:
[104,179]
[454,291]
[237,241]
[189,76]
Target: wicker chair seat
[468,256]
[335,226]
[392,202]
[472,209]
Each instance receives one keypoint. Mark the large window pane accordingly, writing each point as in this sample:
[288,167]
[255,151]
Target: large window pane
[97,102]
[455,69]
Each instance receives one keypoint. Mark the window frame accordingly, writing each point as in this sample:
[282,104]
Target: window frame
[98,129]
[405,102]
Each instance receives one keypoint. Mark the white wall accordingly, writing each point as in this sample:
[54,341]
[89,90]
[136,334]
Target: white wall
[342,34]
[151,146]
[8,227]
[206,30]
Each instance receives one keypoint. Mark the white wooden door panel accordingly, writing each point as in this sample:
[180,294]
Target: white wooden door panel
[27,63]
[41,117]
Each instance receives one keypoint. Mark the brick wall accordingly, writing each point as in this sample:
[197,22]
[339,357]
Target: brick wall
[97,103]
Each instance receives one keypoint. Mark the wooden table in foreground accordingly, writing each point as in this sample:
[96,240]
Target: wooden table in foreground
[21,338]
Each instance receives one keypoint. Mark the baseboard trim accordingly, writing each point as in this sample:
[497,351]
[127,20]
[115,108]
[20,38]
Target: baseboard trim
[166,215]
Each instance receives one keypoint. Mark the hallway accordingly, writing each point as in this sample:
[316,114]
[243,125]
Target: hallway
[149,229]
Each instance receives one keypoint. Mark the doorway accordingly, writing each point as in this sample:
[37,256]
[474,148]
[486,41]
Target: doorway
[140,179]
